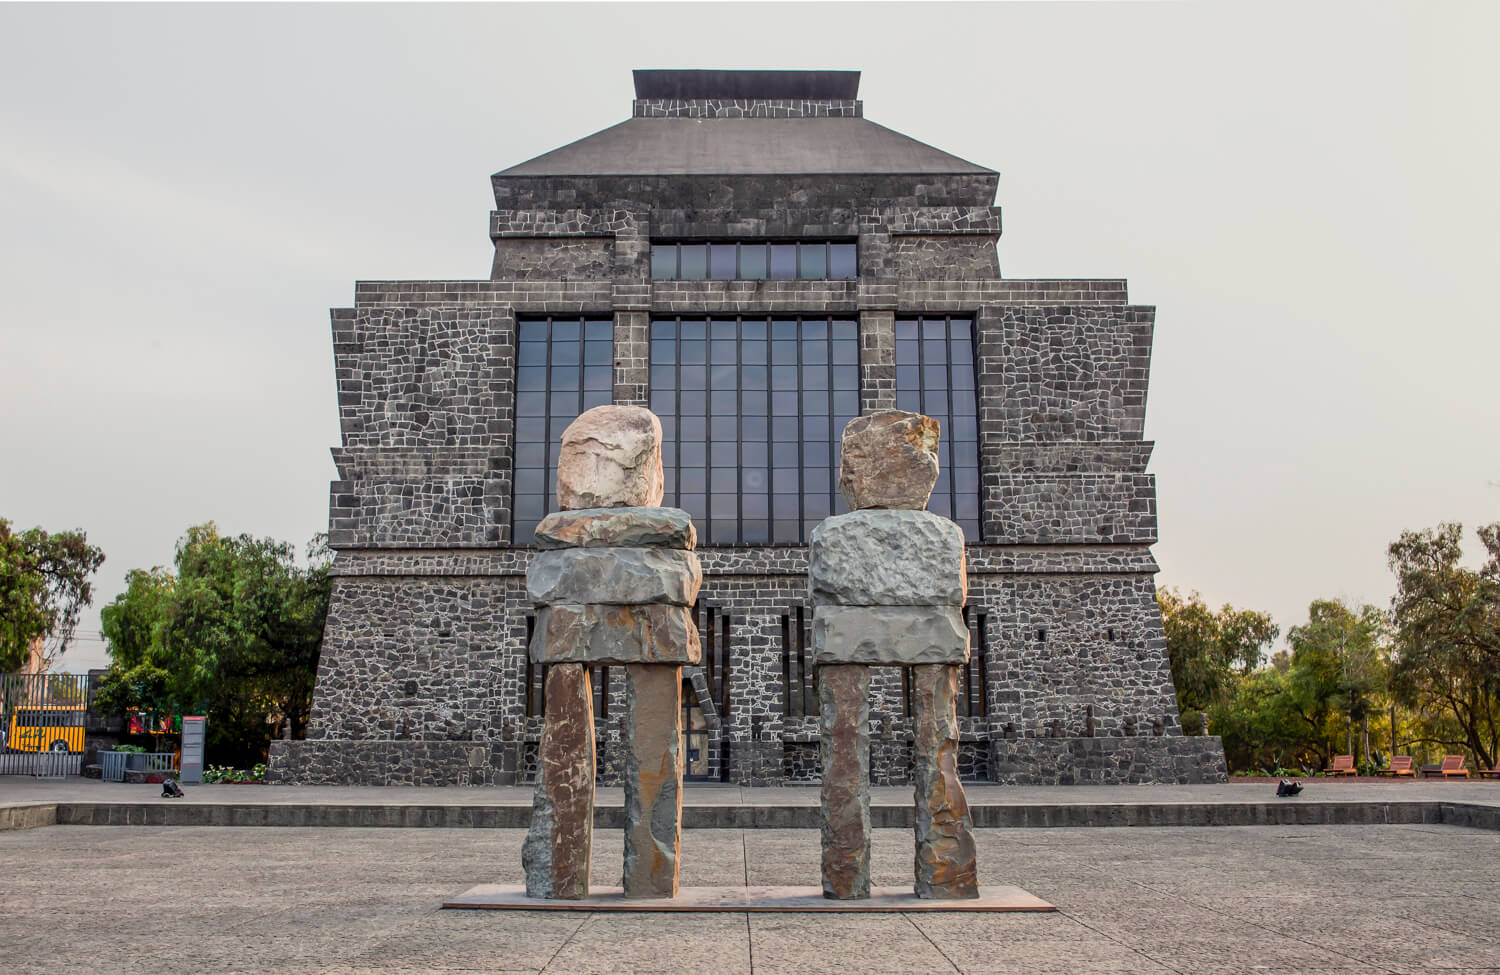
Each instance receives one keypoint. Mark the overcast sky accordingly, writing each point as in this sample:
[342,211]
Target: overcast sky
[1306,191]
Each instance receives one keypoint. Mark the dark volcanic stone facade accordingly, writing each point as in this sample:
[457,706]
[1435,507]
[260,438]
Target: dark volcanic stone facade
[423,679]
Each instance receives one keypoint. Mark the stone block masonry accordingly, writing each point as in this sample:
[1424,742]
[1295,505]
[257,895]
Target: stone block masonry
[424,678]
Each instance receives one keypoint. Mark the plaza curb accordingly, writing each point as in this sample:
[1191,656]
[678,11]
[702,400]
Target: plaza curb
[882,816]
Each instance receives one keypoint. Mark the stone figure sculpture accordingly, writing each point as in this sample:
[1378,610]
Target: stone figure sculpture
[888,585]
[614,581]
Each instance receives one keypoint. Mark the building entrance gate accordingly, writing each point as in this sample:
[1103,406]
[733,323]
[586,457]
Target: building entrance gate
[41,724]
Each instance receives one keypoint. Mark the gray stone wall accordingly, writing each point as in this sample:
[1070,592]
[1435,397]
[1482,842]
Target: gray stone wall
[436,658]
[1078,655]
[425,376]
[1050,508]
[751,191]
[746,108]
[1177,760]
[942,258]
[423,665]
[553,258]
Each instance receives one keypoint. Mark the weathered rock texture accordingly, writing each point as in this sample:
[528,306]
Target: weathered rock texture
[945,862]
[611,458]
[888,558]
[559,841]
[889,635]
[620,576]
[844,698]
[617,528]
[889,460]
[606,634]
[653,779]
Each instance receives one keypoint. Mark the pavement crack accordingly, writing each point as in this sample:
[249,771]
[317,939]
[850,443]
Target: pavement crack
[913,922]
[1317,945]
[749,934]
[1123,944]
[567,941]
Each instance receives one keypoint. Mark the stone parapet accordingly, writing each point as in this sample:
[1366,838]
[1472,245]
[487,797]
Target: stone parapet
[458,511]
[1040,509]
[743,191]
[746,108]
[1178,759]
[409,763]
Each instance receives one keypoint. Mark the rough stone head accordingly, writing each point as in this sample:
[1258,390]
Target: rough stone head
[889,460]
[611,458]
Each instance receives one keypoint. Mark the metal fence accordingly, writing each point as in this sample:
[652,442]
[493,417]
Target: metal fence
[42,724]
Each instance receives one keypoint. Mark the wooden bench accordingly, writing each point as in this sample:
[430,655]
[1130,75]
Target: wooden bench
[1400,765]
[1490,773]
[1342,765]
[1452,768]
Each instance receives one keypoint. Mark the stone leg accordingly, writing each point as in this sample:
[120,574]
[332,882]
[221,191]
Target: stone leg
[844,697]
[653,779]
[945,864]
[560,840]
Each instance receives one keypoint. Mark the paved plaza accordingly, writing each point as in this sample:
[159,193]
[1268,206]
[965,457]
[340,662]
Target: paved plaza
[1231,899]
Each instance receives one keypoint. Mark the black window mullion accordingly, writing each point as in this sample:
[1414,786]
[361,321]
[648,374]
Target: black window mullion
[739,413]
[948,354]
[801,435]
[677,399]
[832,413]
[708,418]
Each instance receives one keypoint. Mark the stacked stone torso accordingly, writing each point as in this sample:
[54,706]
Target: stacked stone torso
[613,582]
[888,587]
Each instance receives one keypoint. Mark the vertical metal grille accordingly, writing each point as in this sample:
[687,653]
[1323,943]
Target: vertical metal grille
[799,681]
[973,687]
[713,625]
[42,719]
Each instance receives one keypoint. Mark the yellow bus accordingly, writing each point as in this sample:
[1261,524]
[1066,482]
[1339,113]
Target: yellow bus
[51,727]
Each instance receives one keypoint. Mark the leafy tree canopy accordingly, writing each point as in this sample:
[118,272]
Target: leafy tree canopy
[1447,621]
[234,633]
[1207,648]
[44,585]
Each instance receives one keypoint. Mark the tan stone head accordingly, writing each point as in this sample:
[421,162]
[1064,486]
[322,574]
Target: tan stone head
[611,458]
[889,460]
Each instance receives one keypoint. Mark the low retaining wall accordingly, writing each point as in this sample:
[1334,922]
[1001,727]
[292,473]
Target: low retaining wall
[882,816]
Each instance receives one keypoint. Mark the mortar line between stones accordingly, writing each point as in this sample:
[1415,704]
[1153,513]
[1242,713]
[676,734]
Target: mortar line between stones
[912,921]
[566,941]
[1269,930]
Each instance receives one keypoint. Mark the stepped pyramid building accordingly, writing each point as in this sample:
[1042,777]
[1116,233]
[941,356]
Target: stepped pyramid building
[755,261]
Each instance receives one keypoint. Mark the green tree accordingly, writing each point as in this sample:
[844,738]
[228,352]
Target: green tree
[1207,649]
[1337,671]
[234,634]
[1447,620]
[1260,724]
[44,585]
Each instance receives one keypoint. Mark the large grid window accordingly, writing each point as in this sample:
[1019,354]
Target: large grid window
[563,367]
[751,411]
[759,260]
[935,375]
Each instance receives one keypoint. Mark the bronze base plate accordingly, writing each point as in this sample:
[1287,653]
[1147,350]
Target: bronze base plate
[799,900]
